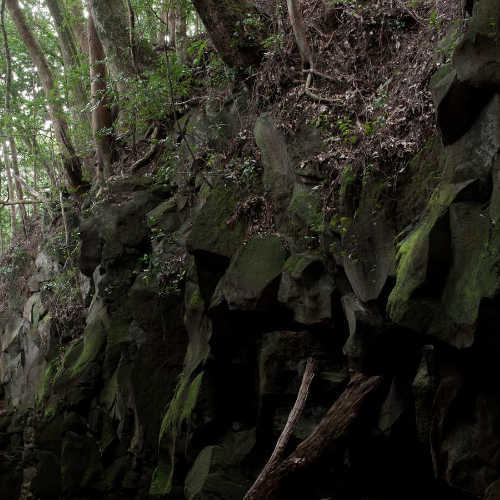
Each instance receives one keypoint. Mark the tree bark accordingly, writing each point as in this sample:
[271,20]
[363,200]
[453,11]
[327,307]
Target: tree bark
[282,443]
[180,31]
[299,30]
[112,26]
[71,162]
[8,90]
[10,185]
[80,26]
[101,114]
[49,169]
[17,183]
[233,27]
[68,50]
[328,438]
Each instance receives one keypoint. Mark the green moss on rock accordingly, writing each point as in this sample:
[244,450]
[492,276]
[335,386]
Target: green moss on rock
[211,232]
[412,260]
[251,272]
[93,342]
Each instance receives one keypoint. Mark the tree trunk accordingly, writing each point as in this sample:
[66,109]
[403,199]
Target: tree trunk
[180,31]
[170,16]
[101,114]
[8,90]
[235,39]
[327,439]
[49,169]
[19,187]
[112,26]
[79,26]
[71,162]
[69,52]
[299,30]
[10,185]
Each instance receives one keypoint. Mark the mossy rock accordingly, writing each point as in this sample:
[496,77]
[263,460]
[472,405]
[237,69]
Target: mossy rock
[279,174]
[164,217]
[449,262]
[367,241]
[473,155]
[94,339]
[477,57]
[212,232]
[304,219]
[216,472]
[178,412]
[306,288]
[248,282]
[412,258]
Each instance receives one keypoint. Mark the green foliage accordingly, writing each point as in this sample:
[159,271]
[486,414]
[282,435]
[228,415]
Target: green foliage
[346,129]
[14,263]
[167,272]
[63,298]
[273,43]
[434,20]
[381,98]
[321,121]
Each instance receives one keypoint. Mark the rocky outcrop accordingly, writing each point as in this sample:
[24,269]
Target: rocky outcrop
[200,316]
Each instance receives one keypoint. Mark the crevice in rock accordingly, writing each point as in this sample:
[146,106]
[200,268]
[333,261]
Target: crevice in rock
[439,260]
[460,109]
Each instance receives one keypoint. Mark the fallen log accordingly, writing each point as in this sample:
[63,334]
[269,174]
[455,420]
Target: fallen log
[294,416]
[328,438]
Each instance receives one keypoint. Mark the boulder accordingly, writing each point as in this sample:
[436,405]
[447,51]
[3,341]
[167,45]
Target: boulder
[279,174]
[368,243]
[216,472]
[164,217]
[477,57]
[251,281]
[306,288]
[212,232]
[364,323]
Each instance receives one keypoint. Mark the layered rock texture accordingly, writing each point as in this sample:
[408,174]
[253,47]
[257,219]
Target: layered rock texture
[200,316]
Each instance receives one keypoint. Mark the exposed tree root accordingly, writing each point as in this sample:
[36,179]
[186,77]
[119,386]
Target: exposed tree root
[155,148]
[299,30]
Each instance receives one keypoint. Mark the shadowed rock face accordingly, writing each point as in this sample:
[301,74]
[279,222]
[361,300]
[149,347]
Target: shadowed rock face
[198,327]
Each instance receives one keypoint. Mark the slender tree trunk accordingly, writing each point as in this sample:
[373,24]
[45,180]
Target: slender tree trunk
[180,31]
[69,51]
[10,184]
[237,42]
[79,26]
[112,26]
[18,185]
[101,114]
[171,17]
[35,186]
[299,30]
[49,169]
[8,90]
[72,164]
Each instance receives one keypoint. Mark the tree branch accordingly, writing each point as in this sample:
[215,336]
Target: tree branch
[282,443]
[22,202]
[328,438]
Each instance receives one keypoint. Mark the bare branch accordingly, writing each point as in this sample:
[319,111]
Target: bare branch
[282,443]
